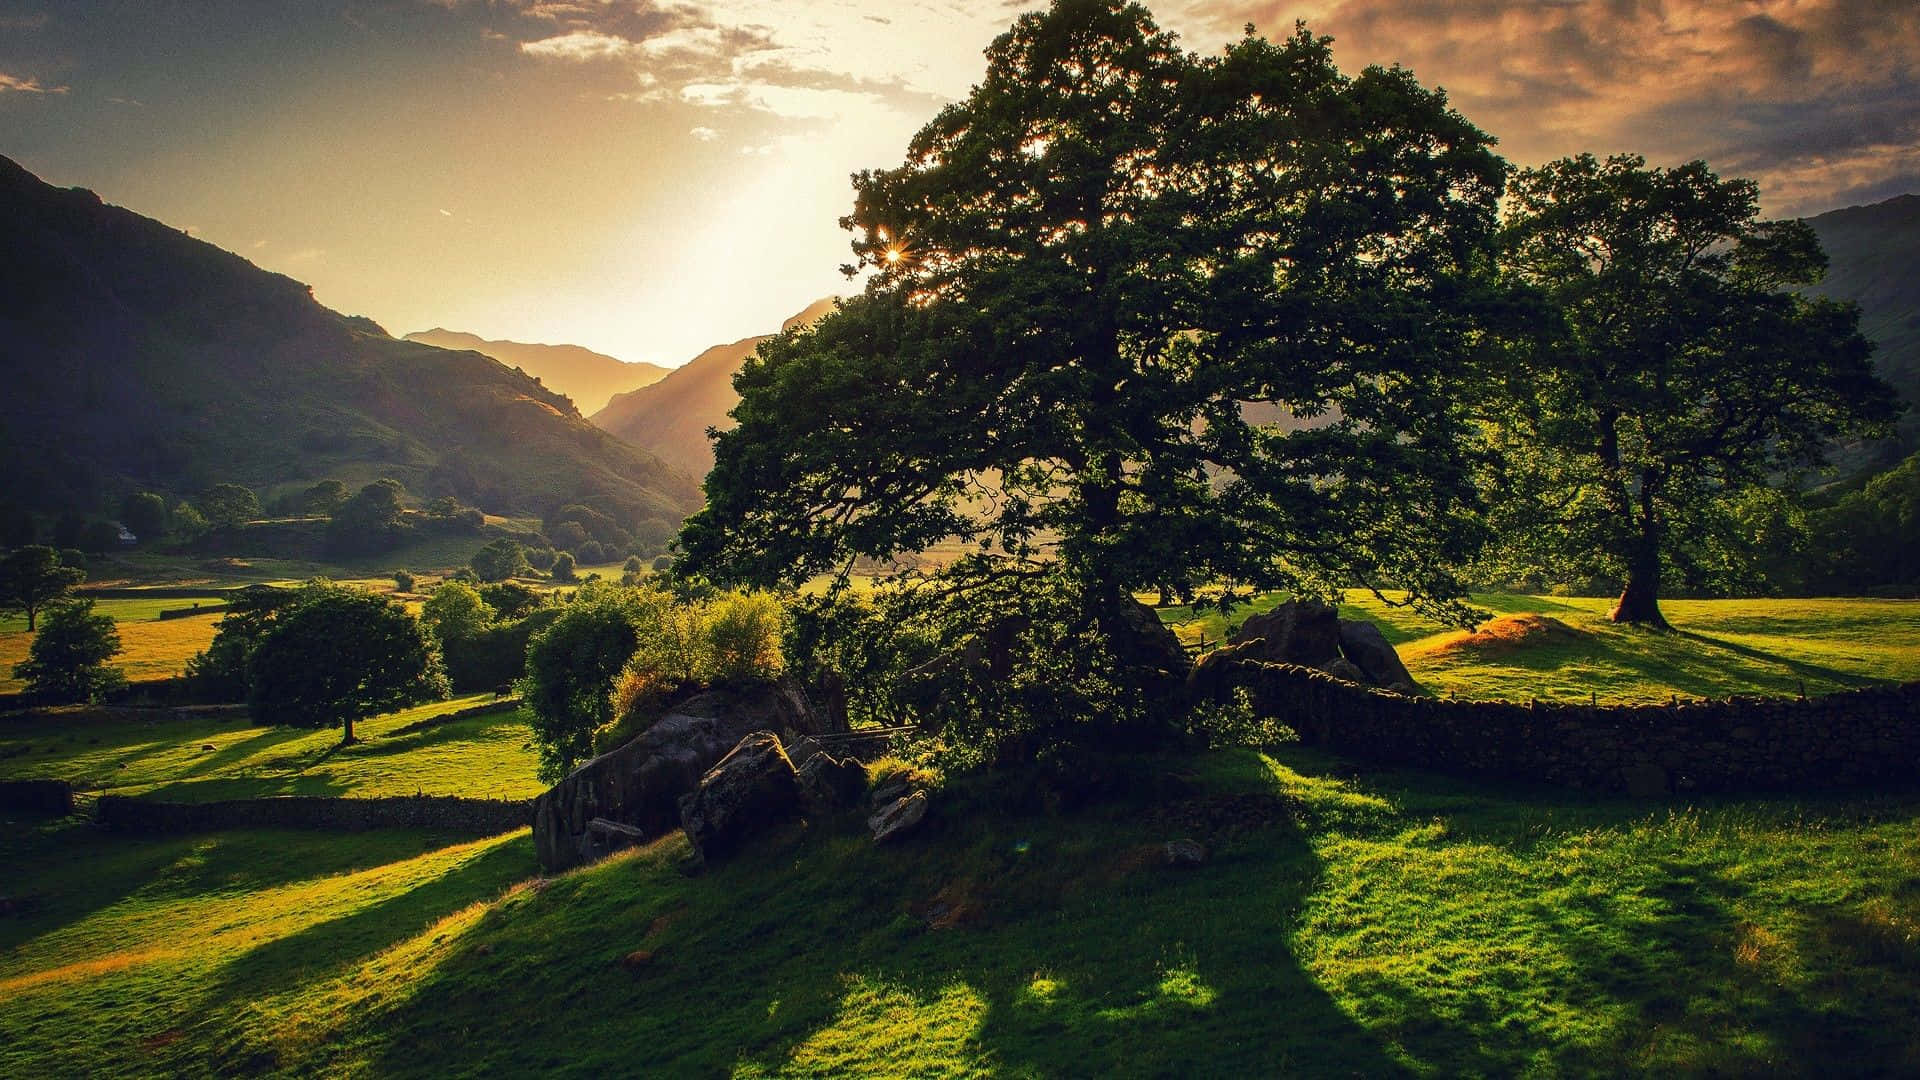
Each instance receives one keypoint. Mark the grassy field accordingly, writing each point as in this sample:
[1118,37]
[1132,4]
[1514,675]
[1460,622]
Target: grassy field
[1719,647]
[1347,923]
[153,648]
[199,759]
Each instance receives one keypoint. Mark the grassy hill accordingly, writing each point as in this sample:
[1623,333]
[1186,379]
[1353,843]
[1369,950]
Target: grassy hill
[138,357]
[588,377]
[1348,922]
[671,417]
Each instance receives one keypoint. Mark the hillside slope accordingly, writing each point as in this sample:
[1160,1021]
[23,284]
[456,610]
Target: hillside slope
[671,417]
[1873,255]
[138,357]
[591,379]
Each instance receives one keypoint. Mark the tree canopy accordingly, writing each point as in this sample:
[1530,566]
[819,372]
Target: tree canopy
[1676,366]
[229,505]
[338,655]
[68,658]
[1165,318]
[32,577]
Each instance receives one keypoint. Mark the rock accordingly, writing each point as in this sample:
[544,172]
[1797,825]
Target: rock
[605,837]
[889,790]
[637,959]
[900,817]
[1342,668]
[749,790]
[1304,632]
[1185,853]
[1140,639]
[640,784]
[1368,648]
[827,784]
[800,750]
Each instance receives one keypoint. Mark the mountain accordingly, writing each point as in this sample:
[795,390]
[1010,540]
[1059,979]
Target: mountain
[137,357]
[1873,255]
[588,377]
[671,417]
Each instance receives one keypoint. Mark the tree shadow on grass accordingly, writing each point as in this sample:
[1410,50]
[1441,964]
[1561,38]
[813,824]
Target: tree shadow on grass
[1067,947]
[1801,669]
[330,946]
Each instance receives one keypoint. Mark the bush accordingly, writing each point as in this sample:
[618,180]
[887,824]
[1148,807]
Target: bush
[510,599]
[499,560]
[741,637]
[99,537]
[67,659]
[540,558]
[495,656]
[571,666]
[563,567]
[632,565]
[403,581]
[663,563]
[589,553]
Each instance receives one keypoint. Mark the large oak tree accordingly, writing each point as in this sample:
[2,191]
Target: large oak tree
[1162,318]
[1675,367]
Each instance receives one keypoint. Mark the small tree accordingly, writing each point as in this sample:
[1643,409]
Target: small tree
[144,513]
[369,522]
[187,521]
[339,657]
[499,560]
[322,499]
[229,505]
[571,668]
[99,537]
[33,577]
[455,611]
[563,567]
[1677,368]
[67,660]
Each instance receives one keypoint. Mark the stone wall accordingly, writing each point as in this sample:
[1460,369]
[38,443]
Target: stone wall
[37,796]
[1858,738]
[478,817]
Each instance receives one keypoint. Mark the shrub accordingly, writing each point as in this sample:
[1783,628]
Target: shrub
[499,560]
[742,635]
[540,558]
[402,581]
[563,567]
[571,666]
[663,563]
[496,655]
[632,565]
[589,553]
[67,659]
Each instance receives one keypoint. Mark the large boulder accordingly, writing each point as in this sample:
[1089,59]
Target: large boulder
[899,817]
[1368,648]
[1140,639]
[1304,632]
[828,784]
[749,790]
[640,784]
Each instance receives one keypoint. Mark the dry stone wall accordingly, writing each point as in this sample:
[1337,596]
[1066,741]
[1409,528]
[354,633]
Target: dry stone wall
[1858,738]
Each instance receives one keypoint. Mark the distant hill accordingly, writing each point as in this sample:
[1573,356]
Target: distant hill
[671,417]
[588,377]
[138,357]
[1873,254]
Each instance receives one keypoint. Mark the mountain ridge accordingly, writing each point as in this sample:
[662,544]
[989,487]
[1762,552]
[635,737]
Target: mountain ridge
[590,378]
[139,357]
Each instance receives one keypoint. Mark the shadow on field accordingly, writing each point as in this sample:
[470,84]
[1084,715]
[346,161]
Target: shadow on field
[328,947]
[457,731]
[1800,668]
[1050,946]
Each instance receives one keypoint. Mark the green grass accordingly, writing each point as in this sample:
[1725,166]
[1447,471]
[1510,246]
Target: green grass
[1720,648]
[1384,924]
[483,756]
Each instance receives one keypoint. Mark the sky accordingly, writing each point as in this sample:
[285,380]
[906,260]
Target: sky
[651,178]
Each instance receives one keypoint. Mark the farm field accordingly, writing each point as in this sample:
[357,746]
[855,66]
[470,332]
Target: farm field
[200,758]
[154,648]
[1348,922]
[1719,648]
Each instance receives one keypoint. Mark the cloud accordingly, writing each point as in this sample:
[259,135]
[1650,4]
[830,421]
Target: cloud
[1802,95]
[704,134]
[580,46]
[26,84]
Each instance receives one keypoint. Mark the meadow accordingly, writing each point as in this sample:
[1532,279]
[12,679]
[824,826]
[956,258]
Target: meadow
[202,757]
[1719,648]
[1348,922]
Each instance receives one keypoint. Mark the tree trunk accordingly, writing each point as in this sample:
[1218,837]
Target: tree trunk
[1640,600]
[346,738]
